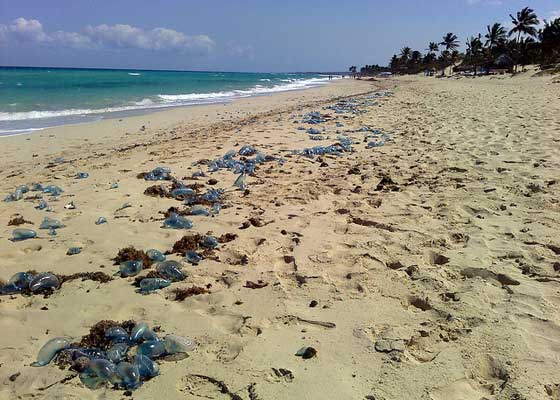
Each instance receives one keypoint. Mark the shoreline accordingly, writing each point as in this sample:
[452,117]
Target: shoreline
[138,112]
[56,140]
[424,268]
[17,122]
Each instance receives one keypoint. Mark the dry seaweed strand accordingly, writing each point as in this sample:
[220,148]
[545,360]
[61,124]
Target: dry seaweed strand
[182,293]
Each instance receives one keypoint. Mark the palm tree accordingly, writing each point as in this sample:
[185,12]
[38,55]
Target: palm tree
[496,36]
[415,60]
[405,53]
[474,50]
[525,47]
[430,56]
[394,63]
[433,47]
[450,44]
[550,41]
[524,23]
[352,70]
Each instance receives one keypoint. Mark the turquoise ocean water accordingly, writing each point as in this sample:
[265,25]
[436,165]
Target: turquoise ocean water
[35,98]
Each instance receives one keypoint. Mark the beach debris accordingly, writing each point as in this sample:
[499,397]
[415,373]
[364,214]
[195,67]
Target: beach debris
[130,268]
[313,117]
[19,220]
[210,242]
[101,220]
[171,270]
[82,175]
[197,209]
[328,325]
[42,205]
[192,257]
[197,247]
[50,350]
[130,253]
[53,190]
[198,174]
[97,276]
[73,251]
[371,145]
[157,174]
[344,145]
[175,221]
[119,355]
[17,283]
[256,285]
[181,294]
[216,208]
[306,352]
[177,344]
[114,186]
[181,192]
[247,150]
[240,182]
[124,206]
[148,285]
[155,255]
[20,234]
[70,206]
[44,282]
[146,367]
[244,164]
[51,223]
[17,194]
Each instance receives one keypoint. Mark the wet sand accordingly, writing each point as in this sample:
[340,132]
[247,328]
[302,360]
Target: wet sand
[431,262]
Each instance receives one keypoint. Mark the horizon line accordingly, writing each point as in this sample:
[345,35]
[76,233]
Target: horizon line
[172,70]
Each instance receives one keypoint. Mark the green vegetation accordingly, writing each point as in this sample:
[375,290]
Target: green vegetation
[498,50]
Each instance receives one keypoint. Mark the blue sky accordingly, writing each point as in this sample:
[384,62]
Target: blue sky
[227,35]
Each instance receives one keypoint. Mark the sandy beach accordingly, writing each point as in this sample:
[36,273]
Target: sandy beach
[426,268]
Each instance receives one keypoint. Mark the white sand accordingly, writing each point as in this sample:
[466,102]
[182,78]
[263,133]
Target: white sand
[475,169]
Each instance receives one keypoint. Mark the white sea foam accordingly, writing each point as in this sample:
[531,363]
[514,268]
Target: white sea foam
[169,100]
[134,74]
[16,132]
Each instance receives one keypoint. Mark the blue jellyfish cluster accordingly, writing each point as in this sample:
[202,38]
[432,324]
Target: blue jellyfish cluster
[121,356]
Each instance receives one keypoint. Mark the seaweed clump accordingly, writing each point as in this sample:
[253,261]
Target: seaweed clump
[132,254]
[19,220]
[96,337]
[182,293]
[98,276]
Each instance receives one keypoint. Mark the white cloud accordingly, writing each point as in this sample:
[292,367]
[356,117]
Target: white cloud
[72,39]
[127,36]
[27,30]
[118,36]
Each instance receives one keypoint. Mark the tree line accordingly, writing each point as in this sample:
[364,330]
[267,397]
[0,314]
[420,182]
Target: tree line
[499,48]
